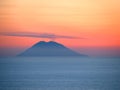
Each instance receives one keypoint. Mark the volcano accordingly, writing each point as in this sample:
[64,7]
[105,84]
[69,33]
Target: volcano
[50,48]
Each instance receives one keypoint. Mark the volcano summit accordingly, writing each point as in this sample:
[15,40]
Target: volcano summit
[50,48]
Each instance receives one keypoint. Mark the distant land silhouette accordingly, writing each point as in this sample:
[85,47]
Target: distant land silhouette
[50,48]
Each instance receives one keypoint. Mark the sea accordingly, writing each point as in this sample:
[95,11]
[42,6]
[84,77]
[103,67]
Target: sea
[59,73]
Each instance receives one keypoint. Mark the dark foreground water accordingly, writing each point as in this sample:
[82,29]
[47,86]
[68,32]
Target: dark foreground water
[59,73]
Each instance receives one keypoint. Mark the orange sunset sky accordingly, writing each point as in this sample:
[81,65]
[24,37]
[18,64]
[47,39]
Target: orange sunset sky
[96,21]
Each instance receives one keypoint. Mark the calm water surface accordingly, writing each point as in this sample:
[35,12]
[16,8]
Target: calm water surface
[57,73]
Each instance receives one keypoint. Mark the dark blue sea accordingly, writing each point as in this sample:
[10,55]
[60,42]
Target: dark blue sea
[59,73]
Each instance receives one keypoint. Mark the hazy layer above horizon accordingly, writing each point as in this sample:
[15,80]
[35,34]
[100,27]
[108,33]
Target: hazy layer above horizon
[90,51]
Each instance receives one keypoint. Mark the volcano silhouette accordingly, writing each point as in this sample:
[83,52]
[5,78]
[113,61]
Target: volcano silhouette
[50,48]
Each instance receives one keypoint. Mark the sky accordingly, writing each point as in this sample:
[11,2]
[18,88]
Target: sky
[91,26]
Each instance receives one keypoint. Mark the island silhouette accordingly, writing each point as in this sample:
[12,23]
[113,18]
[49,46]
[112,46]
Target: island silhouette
[50,48]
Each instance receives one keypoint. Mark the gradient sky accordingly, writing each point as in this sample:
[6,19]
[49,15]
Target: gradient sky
[97,21]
